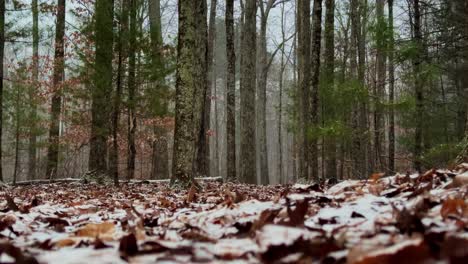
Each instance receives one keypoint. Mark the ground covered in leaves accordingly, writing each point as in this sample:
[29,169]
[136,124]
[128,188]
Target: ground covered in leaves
[397,219]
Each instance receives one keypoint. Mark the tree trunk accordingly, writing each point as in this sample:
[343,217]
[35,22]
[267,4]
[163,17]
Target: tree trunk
[262,67]
[329,78]
[315,57]
[58,78]
[132,122]
[303,57]
[203,156]
[160,163]
[380,84]
[280,99]
[191,83]
[102,89]
[17,134]
[391,90]
[2,49]
[231,92]
[32,152]
[122,46]
[417,63]
[248,173]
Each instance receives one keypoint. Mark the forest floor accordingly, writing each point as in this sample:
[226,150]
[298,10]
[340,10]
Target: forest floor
[396,219]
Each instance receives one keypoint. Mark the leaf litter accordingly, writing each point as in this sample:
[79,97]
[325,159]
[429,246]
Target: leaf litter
[394,219]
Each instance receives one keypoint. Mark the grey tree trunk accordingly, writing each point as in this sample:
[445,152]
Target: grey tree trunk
[32,152]
[418,87]
[231,92]
[358,148]
[102,90]
[380,84]
[58,78]
[191,81]
[122,47]
[329,78]
[203,158]
[2,49]
[160,162]
[247,93]
[132,121]
[315,77]
[262,65]
[391,90]
[303,61]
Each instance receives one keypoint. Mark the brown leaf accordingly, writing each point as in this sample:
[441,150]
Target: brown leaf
[6,221]
[11,203]
[128,245]
[456,207]
[192,194]
[17,254]
[297,216]
[99,244]
[103,230]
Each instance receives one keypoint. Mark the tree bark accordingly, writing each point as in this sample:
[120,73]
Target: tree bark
[304,65]
[58,78]
[315,77]
[102,89]
[32,151]
[160,163]
[2,49]
[391,90]
[329,78]
[122,47]
[132,122]
[418,87]
[231,92]
[191,83]
[248,173]
[380,83]
[203,158]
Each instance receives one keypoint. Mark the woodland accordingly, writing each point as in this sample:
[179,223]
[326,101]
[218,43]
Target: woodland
[233,131]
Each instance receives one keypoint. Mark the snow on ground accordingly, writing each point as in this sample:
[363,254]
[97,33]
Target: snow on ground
[382,220]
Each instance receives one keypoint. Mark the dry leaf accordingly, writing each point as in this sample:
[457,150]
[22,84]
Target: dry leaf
[104,231]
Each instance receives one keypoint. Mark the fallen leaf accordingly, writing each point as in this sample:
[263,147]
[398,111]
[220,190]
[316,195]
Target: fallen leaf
[104,231]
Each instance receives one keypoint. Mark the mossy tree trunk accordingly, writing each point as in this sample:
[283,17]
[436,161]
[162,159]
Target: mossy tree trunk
[248,160]
[191,81]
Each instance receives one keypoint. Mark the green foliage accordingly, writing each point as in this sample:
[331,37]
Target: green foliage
[442,154]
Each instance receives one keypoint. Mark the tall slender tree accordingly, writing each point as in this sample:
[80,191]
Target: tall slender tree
[160,168]
[32,152]
[56,105]
[248,173]
[231,92]
[122,45]
[203,158]
[379,91]
[191,83]
[132,121]
[102,86]
[314,108]
[303,59]
[329,79]
[391,90]
[418,85]
[262,78]
[2,49]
